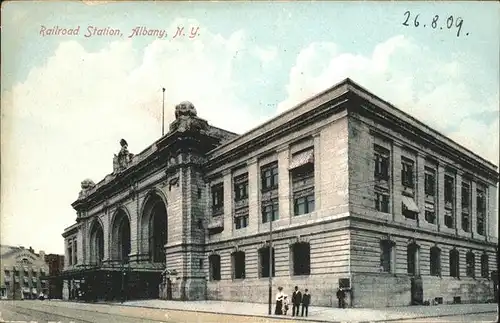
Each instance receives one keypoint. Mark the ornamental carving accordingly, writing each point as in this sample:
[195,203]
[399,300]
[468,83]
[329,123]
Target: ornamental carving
[123,159]
[86,186]
[186,119]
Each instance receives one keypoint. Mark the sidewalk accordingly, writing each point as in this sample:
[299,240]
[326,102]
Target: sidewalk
[320,314]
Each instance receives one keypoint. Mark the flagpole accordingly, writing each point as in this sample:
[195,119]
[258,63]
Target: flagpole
[163,114]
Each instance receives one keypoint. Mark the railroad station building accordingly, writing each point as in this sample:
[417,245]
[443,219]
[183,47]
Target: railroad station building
[355,192]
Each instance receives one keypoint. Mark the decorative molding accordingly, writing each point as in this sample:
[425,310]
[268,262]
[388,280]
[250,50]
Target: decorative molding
[173,182]
[282,148]
[300,239]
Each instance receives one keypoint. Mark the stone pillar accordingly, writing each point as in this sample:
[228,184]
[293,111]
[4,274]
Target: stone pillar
[492,218]
[284,196]
[134,235]
[440,200]
[77,242]
[105,233]
[65,290]
[253,195]
[66,253]
[317,171]
[228,203]
[458,203]
[473,212]
[397,187]
[420,189]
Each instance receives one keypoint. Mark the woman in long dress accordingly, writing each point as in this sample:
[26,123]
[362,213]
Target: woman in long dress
[279,302]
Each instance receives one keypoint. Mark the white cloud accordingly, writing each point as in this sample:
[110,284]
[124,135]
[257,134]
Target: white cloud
[63,123]
[408,76]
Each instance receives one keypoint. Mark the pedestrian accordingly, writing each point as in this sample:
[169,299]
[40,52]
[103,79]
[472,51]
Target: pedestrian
[306,300]
[285,304]
[279,302]
[341,297]
[296,300]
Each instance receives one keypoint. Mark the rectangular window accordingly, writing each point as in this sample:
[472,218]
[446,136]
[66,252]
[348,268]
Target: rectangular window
[449,192]
[214,261]
[304,204]
[408,213]
[430,213]
[382,202]
[241,221]
[270,210]
[430,182]
[241,187]
[217,199]
[269,176]
[381,163]
[481,210]
[407,174]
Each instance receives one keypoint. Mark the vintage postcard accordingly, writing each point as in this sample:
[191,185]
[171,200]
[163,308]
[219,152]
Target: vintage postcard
[249,161]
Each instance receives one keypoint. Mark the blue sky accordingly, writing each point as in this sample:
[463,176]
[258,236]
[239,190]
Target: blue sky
[67,101]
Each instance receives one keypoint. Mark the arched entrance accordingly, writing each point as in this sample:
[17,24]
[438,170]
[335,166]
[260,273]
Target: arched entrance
[153,239]
[154,228]
[121,237]
[96,243]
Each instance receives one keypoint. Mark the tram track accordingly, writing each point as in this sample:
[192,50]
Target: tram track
[67,319]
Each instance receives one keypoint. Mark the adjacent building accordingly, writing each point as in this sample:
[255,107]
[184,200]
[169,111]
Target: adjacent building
[23,273]
[344,190]
[56,266]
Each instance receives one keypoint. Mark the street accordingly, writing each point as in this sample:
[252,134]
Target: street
[70,312]
[469,318]
[48,311]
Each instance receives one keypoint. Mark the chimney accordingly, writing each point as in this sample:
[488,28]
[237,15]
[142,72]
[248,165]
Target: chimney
[31,250]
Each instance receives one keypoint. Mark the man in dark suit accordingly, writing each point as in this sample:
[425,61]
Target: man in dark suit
[306,300]
[296,300]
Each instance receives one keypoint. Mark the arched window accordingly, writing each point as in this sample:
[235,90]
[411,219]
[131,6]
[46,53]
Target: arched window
[470,264]
[412,259]
[387,248]
[485,270]
[238,260]
[454,263]
[435,261]
[301,255]
[264,262]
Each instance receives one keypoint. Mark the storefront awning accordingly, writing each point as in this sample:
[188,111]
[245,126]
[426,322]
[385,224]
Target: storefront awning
[301,159]
[26,290]
[410,204]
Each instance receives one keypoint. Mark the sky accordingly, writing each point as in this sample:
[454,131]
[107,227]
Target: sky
[67,100]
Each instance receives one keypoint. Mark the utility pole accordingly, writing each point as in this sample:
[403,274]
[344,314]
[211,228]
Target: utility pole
[163,114]
[270,263]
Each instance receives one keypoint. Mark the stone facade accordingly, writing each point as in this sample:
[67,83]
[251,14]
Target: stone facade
[311,170]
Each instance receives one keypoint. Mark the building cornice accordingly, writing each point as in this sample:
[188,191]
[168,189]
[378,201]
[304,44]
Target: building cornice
[425,136]
[235,150]
[386,110]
